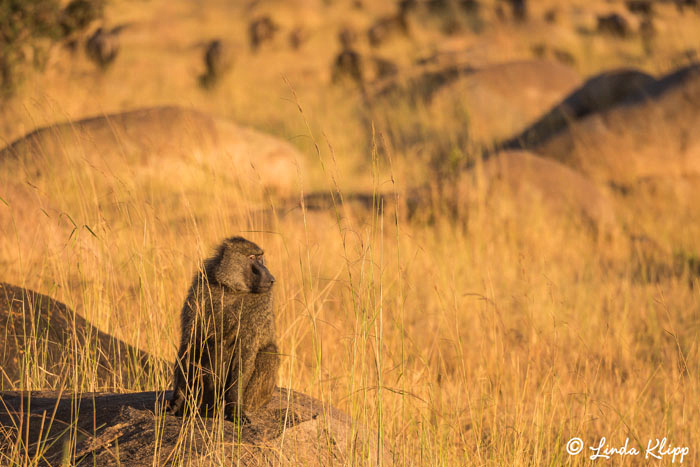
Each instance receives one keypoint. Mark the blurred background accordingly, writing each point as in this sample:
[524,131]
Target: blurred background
[483,215]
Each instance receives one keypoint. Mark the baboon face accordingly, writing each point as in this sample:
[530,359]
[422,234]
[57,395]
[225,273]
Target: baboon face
[241,267]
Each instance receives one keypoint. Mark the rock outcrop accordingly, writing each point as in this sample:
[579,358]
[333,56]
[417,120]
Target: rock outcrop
[505,98]
[650,135]
[133,429]
[45,343]
[154,138]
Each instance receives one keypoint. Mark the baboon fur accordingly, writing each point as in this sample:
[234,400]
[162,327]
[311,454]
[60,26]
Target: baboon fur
[228,357]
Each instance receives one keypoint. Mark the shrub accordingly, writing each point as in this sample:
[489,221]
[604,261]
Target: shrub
[29,27]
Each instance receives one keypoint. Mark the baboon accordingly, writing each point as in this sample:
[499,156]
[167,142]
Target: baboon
[217,60]
[348,63]
[103,46]
[228,357]
[261,30]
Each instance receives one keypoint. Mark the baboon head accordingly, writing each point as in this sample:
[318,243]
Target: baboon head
[239,266]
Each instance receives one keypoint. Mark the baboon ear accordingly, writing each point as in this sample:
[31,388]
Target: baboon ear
[230,271]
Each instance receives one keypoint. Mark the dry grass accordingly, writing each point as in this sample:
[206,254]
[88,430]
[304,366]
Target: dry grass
[490,340]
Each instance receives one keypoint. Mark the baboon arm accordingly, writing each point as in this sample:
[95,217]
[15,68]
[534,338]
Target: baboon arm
[258,391]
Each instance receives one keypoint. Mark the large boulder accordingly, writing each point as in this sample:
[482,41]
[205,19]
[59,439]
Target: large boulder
[597,94]
[44,342]
[156,138]
[448,115]
[651,135]
[133,429]
[505,98]
[529,183]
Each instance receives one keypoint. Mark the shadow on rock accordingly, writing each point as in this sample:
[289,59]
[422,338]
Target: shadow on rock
[44,341]
[133,429]
[597,94]
[625,135]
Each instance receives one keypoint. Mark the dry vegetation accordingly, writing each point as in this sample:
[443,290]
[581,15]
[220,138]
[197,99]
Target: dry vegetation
[479,331]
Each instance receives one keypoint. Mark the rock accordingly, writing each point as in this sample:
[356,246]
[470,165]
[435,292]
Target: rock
[597,94]
[44,335]
[153,139]
[652,133]
[132,429]
[530,181]
[520,186]
[505,98]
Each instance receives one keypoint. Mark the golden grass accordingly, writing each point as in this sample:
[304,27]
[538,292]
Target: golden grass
[488,340]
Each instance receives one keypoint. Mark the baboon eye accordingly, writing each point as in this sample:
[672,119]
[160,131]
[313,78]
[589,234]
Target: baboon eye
[251,257]
[260,259]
